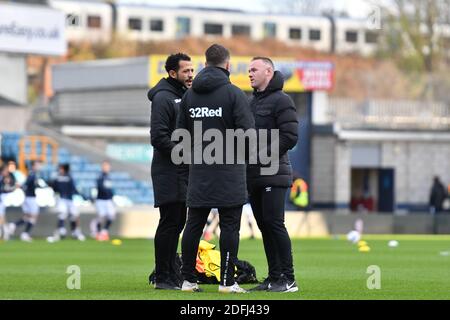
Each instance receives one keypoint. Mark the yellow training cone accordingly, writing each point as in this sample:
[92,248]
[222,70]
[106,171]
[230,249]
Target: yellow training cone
[116,242]
[364,249]
[362,243]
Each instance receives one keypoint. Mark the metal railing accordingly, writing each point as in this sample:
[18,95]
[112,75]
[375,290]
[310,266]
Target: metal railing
[34,153]
[387,114]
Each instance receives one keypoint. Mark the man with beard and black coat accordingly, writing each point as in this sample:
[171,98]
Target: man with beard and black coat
[273,109]
[169,180]
[214,103]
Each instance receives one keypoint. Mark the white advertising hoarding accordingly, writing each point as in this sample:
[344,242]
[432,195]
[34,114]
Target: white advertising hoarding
[32,29]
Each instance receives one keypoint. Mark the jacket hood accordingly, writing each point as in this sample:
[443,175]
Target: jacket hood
[275,84]
[164,85]
[209,79]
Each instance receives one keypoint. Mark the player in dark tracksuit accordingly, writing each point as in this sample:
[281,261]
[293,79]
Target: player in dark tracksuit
[169,180]
[30,207]
[214,103]
[273,109]
[64,185]
[7,186]
[106,211]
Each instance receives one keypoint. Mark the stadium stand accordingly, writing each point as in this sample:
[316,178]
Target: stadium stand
[84,171]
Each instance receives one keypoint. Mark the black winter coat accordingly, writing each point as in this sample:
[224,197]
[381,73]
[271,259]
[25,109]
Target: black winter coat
[273,109]
[437,195]
[169,180]
[217,104]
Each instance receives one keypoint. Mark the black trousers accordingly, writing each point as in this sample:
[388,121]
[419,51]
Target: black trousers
[171,223]
[268,208]
[229,223]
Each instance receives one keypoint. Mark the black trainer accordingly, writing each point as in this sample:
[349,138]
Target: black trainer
[175,280]
[167,285]
[283,285]
[264,286]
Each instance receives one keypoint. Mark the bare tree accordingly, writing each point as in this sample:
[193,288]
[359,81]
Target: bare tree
[417,34]
[418,28]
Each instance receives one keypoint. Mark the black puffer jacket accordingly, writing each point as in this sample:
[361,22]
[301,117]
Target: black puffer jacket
[217,104]
[273,109]
[169,180]
[437,195]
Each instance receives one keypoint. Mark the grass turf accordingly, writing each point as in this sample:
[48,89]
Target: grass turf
[419,268]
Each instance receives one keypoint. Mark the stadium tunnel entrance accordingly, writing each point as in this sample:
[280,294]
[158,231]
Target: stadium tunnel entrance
[372,189]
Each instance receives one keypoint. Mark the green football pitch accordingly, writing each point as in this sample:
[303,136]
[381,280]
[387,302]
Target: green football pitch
[419,268]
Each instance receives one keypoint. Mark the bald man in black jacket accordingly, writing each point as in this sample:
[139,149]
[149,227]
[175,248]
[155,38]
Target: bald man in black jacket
[273,109]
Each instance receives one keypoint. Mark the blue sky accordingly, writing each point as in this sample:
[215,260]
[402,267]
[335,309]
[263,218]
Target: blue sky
[355,8]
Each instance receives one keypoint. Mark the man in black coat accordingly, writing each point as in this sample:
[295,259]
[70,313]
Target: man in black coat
[273,109]
[169,180]
[438,194]
[214,103]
